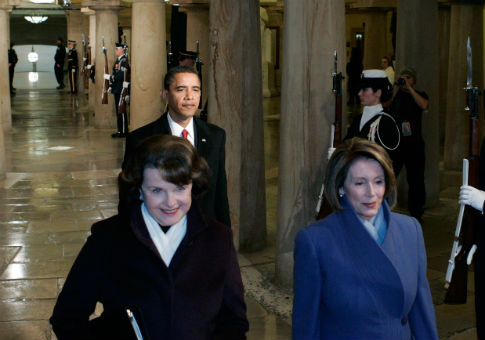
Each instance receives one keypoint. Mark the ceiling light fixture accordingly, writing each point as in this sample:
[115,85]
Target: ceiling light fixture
[36,19]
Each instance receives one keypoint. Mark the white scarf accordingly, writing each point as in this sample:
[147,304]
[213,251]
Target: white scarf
[369,113]
[166,243]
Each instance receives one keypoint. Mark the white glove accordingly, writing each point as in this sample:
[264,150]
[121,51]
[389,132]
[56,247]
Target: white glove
[106,76]
[330,152]
[89,67]
[472,197]
[126,84]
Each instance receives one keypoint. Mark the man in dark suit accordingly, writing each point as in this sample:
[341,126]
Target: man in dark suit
[12,61]
[59,63]
[182,95]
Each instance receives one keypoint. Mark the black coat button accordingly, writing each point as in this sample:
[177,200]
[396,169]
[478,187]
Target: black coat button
[404,320]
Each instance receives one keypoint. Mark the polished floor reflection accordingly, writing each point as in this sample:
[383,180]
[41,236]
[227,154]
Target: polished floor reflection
[62,177]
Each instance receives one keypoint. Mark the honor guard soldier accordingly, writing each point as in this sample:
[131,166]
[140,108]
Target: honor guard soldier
[72,65]
[116,85]
[187,58]
[374,124]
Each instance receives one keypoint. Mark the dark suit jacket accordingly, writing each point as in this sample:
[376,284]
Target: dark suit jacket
[347,286]
[200,294]
[210,143]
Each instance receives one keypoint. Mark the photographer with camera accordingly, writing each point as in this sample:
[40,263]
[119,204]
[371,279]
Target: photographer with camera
[407,106]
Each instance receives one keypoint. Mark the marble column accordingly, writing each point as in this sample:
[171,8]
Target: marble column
[107,27]
[465,20]
[444,15]
[265,56]
[307,112]
[5,110]
[148,61]
[3,168]
[198,29]
[236,104]
[76,26]
[417,47]
[375,42]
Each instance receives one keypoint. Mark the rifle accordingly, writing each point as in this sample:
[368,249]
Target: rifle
[323,208]
[198,66]
[90,67]
[464,247]
[104,98]
[84,68]
[124,96]
[169,55]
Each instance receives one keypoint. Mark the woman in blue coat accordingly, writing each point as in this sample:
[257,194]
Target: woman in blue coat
[360,273]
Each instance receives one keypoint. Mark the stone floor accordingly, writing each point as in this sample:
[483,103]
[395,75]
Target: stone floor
[62,177]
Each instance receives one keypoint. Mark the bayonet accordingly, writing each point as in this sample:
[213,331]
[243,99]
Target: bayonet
[456,280]
[469,64]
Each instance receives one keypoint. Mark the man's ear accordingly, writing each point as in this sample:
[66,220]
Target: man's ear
[164,95]
[379,93]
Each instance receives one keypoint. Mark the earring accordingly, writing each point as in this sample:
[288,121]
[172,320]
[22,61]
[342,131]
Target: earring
[341,194]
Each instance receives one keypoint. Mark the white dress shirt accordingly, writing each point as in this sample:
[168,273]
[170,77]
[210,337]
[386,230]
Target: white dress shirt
[369,113]
[177,129]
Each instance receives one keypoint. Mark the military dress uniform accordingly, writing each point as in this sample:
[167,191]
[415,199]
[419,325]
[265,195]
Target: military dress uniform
[116,85]
[375,124]
[72,65]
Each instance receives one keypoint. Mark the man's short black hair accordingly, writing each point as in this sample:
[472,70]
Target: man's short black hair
[170,76]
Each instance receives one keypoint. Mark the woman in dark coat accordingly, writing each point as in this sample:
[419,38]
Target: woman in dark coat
[175,269]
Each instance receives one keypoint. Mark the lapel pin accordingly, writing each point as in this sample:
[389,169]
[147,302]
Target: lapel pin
[203,140]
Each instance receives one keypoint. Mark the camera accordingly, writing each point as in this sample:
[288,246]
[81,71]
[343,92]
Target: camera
[401,81]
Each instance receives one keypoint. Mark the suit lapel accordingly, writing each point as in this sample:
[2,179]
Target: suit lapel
[163,126]
[373,262]
[202,138]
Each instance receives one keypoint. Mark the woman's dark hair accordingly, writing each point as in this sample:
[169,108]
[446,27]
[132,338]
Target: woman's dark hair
[342,159]
[377,84]
[177,161]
